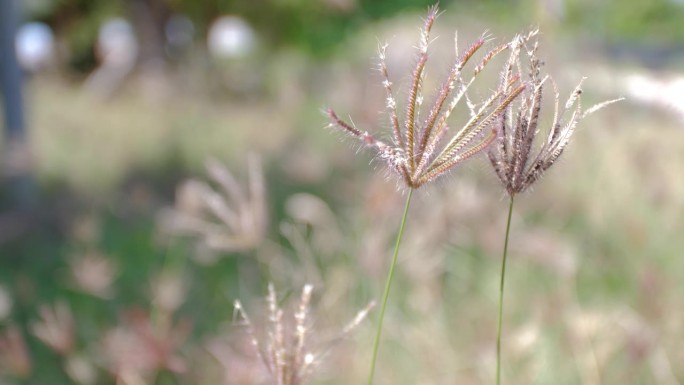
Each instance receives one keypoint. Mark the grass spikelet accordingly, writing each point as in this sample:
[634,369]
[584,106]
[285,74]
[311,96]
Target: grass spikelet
[411,155]
[289,353]
[518,127]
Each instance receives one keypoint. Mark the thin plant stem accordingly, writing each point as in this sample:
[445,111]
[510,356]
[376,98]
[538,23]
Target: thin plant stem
[501,293]
[388,284]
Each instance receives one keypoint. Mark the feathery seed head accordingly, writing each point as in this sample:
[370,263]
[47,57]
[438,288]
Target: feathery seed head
[518,126]
[421,150]
[231,217]
[288,354]
[56,327]
[14,353]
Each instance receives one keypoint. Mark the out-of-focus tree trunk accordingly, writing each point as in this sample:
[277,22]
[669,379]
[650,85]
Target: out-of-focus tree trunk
[149,18]
[15,154]
[10,74]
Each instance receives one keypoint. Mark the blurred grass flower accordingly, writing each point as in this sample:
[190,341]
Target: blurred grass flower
[288,352]
[81,369]
[94,273]
[56,327]
[424,149]
[516,132]
[168,291]
[5,303]
[238,363]
[141,347]
[14,354]
[232,219]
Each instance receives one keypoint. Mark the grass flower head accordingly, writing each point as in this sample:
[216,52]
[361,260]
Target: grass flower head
[424,149]
[56,327]
[518,126]
[230,218]
[287,352]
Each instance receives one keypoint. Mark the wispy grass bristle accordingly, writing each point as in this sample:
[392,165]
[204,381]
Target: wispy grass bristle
[518,126]
[289,353]
[411,155]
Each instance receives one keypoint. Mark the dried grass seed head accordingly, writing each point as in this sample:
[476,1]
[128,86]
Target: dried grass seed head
[56,327]
[14,354]
[94,273]
[424,149]
[228,219]
[141,345]
[288,351]
[518,126]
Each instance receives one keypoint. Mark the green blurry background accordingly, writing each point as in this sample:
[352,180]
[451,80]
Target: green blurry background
[87,257]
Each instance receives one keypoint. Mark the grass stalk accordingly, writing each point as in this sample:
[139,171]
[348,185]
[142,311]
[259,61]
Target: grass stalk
[388,284]
[501,293]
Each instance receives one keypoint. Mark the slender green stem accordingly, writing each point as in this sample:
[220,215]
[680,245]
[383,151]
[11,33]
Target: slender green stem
[388,284]
[501,293]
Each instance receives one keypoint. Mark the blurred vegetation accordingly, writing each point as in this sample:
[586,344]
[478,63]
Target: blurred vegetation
[319,27]
[636,22]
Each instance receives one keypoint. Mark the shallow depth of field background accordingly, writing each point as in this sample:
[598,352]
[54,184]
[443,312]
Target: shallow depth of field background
[88,263]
